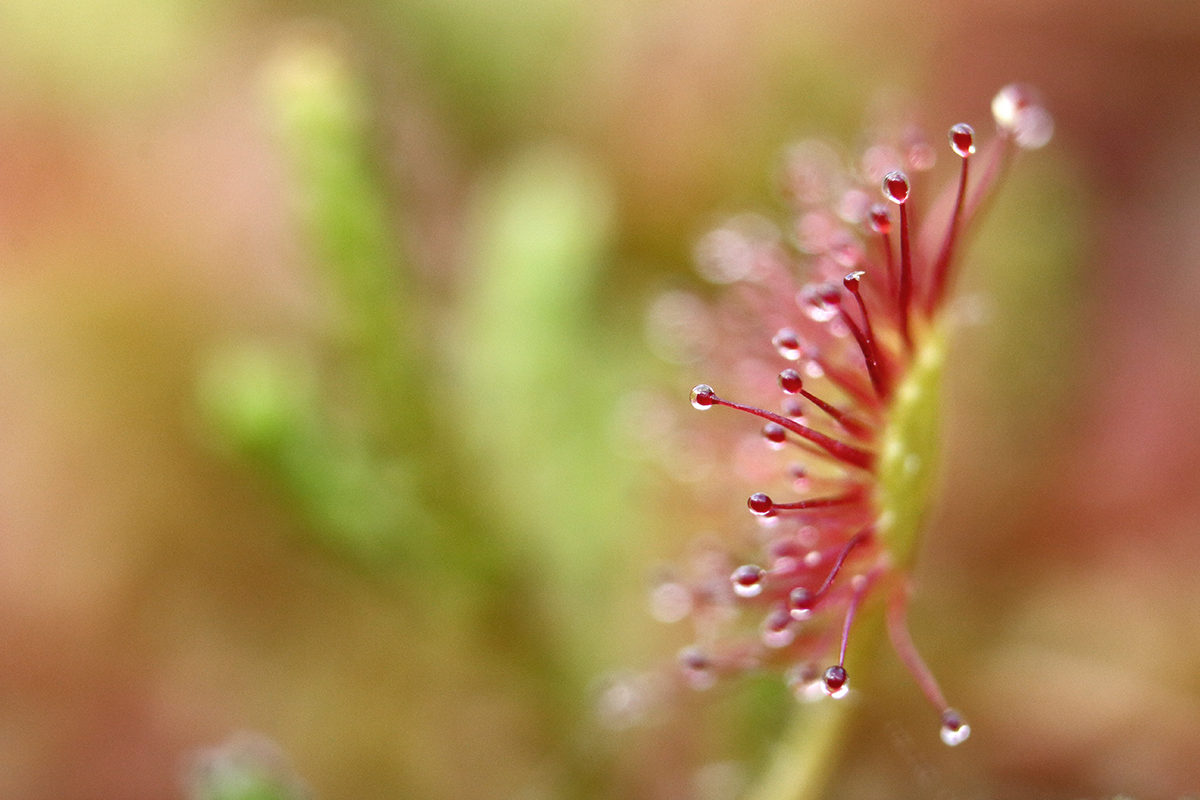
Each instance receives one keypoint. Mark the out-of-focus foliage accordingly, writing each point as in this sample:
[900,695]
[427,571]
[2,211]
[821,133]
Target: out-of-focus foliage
[328,410]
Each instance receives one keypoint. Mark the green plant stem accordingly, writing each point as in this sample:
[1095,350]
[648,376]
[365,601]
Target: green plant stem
[804,759]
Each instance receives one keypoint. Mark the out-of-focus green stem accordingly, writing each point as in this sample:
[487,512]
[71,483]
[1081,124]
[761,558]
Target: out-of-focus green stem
[539,373]
[810,750]
[320,117]
[347,428]
[806,756]
[803,761]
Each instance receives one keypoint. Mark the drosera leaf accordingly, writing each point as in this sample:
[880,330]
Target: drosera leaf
[909,450]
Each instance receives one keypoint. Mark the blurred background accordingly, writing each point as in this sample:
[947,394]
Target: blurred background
[345,351]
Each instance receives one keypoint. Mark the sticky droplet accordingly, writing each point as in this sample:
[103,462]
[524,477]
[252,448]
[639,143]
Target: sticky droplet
[880,221]
[835,682]
[962,139]
[895,187]
[1019,114]
[775,435]
[703,397]
[697,668]
[955,729]
[777,628]
[800,603]
[790,381]
[747,580]
[787,342]
[760,504]
[821,302]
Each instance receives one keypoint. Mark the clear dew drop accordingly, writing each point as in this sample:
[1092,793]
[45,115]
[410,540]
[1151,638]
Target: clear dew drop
[747,580]
[787,342]
[703,397]
[835,681]
[895,187]
[962,139]
[955,729]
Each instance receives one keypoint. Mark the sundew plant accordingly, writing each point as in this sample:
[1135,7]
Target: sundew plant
[346,442]
[858,317]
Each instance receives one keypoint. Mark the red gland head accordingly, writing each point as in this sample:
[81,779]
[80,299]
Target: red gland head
[835,681]
[879,219]
[962,139]
[747,580]
[760,504]
[703,397]
[775,435]
[790,381]
[787,343]
[895,187]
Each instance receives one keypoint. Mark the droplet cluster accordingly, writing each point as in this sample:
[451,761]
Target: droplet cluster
[852,304]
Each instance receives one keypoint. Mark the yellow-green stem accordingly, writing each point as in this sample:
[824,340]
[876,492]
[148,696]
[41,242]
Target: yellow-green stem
[804,760]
